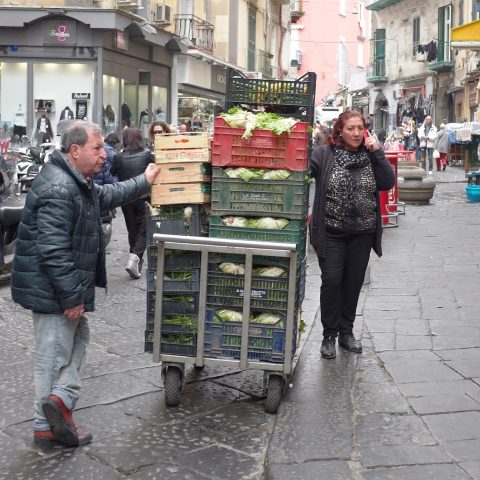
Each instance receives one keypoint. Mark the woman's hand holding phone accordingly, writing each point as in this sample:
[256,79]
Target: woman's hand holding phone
[370,142]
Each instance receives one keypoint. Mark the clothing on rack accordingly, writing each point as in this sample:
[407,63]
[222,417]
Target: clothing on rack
[66,114]
[44,131]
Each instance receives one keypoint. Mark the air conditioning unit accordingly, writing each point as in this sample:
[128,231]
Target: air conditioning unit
[163,15]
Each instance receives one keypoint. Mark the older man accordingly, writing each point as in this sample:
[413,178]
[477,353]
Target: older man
[59,259]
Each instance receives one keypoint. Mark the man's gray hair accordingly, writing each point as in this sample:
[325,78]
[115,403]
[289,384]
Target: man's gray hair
[77,134]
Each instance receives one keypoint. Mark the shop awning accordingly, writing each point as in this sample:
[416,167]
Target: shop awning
[466,36]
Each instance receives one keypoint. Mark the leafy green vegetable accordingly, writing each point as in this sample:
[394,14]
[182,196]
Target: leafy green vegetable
[232,268]
[266,318]
[268,223]
[235,221]
[269,272]
[277,174]
[244,173]
[236,117]
[229,315]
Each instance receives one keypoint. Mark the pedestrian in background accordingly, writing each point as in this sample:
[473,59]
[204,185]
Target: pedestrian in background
[59,259]
[156,128]
[321,134]
[129,163]
[105,176]
[442,146]
[427,133]
[349,173]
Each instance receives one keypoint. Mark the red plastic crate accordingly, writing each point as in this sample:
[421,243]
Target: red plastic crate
[264,149]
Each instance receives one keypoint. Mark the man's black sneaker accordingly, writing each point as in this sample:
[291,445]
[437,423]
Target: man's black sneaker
[328,348]
[348,342]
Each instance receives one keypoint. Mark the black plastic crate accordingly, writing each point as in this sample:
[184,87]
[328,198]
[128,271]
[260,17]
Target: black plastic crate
[295,98]
[179,303]
[191,284]
[266,343]
[173,343]
[174,259]
[267,293]
[171,220]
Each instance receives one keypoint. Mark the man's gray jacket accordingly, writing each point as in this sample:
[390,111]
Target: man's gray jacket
[59,255]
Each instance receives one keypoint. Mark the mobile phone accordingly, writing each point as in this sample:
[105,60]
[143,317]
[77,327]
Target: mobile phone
[366,133]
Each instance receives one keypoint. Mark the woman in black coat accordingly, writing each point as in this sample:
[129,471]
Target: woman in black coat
[349,173]
[131,161]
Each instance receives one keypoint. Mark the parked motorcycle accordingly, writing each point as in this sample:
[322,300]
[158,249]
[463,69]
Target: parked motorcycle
[11,206]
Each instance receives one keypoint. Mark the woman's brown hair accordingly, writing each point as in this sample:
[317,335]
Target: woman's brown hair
[335,139]
[132,140]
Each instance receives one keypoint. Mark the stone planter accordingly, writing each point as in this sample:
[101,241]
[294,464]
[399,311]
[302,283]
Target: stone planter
[413,186]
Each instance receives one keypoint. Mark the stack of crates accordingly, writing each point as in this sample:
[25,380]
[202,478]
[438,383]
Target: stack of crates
[257,198]
[180,204]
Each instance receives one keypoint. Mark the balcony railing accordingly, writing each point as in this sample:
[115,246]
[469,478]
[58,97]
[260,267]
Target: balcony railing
[199,32]
[376,72]
[443,62]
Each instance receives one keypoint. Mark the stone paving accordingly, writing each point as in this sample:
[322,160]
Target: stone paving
[407,408]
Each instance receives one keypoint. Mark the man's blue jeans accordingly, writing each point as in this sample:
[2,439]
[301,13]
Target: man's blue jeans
[60,353]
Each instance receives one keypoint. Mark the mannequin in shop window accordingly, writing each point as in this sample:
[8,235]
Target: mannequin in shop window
[66,114]
[109,119]
[143,123]
[44,131]
[19,122]
[159,114]
[126,115]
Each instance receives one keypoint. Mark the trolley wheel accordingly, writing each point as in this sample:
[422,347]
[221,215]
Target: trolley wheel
[173,385]
[198,368]
[274,393]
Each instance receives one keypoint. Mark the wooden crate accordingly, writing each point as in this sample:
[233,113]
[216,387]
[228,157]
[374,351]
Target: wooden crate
[184,173]
[183,155]
[174,141]
[175,194]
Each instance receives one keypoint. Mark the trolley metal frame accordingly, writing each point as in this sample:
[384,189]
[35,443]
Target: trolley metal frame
[249,249]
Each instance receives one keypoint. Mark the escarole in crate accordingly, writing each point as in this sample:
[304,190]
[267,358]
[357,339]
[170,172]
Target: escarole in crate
[236,117]
[268,223]
[246,174]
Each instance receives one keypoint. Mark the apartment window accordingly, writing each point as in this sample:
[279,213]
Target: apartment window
[475,10]
[252,28]
[444,26]
[416,34]
[360,55]
[460,13]
[379,52]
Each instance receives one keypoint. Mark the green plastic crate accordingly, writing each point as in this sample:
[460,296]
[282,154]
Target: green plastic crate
[294,232]
[282,198]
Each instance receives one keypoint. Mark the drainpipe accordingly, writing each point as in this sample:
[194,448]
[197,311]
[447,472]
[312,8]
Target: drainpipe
[280,47]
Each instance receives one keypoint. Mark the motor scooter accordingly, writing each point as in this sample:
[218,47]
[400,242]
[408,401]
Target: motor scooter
[11,207]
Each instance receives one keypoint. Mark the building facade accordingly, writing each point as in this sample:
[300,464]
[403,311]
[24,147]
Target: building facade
[128,62]
[412,64]
[331,39]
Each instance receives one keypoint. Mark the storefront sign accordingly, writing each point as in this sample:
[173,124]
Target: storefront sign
[80,96]
[59,32]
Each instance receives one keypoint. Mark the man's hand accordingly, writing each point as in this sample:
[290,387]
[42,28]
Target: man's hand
[152,170]
[74,313]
